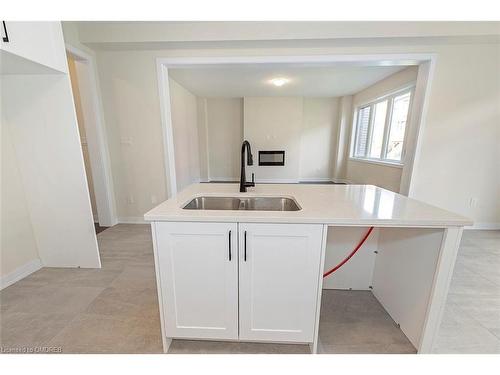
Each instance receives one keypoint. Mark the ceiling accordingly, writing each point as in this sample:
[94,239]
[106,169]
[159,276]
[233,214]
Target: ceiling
[239,80]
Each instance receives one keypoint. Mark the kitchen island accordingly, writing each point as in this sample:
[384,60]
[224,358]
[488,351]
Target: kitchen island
[235,269]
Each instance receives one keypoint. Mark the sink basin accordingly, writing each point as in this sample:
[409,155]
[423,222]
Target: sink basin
[248,204]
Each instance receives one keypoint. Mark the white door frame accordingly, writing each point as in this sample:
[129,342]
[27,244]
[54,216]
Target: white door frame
[96,138]
[425,61]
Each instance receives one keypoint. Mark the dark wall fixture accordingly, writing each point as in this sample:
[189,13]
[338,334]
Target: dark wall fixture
[271,157]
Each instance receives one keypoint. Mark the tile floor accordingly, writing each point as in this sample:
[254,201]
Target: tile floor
[115,309]
[471,322]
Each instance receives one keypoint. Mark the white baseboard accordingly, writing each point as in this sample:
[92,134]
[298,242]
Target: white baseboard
[20,273]
[484,226]
[319,179]
[276,181]
[132,220]
[223,179]
[341,181]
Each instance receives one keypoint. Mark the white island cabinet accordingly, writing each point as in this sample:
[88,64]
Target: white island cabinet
[256,275]
[276,291]
[279,265]
[198,264]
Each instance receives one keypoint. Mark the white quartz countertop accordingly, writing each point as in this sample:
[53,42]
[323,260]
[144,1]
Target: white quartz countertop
[342,205]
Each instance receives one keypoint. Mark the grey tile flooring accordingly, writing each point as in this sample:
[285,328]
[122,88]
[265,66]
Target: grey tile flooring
[109,310]
[355,322]
[115,309]
[471,321]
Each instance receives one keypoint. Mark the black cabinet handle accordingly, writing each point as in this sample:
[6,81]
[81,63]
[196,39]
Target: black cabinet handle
[229,245]
[6,37]
[245,247]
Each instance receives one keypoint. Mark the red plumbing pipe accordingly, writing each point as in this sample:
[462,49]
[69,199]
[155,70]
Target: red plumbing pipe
[350,255]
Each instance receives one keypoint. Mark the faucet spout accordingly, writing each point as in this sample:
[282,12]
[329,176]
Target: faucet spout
[243,183]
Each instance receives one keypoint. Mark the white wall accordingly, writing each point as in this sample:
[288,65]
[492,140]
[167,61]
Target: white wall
[462,102]
[360,172]
[18,244]
[184,112]
[274,124]
[40,116]
[224,122]
[318,138]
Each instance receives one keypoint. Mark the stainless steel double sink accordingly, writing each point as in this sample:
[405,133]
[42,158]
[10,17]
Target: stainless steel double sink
[243,203]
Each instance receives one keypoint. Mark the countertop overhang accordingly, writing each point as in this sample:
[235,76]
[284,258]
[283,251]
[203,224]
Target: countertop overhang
[336,205]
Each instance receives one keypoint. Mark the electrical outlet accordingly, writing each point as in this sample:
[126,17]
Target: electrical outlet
[126,141]
[130,199]
[154,200]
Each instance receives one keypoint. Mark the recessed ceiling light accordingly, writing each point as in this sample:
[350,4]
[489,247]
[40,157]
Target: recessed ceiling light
[280,81]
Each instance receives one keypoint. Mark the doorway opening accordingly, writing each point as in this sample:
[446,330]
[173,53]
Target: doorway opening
[210,105]
[92,137]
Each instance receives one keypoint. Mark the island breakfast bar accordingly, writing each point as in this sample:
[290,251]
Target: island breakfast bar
[249,266]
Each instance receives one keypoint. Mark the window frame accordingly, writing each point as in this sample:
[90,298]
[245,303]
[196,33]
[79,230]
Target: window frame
[387,125]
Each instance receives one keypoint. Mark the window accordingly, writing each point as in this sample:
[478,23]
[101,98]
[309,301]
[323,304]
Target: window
[379,131]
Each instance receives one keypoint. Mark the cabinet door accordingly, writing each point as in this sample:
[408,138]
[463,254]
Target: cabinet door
[198,268]
[279,270]
[41,42]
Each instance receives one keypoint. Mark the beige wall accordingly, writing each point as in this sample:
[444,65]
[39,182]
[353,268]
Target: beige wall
[274,123]
[131,106]
[224,123]
[460,154]
[339,167]
[360,172]
[221,121]
[392,83]
[183,108]
[462,112]
[18,245]
[318,138]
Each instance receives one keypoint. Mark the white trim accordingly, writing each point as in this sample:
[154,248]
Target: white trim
[315,344]
[163,63]
[418,114]
[224,179]
[277,181]
[440,287]
[379,59]
[167,130]
[484,226]
[132,220]
[314,179]
[20,273]
[376,161]
[389,97]
[98,146]
[165,341]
